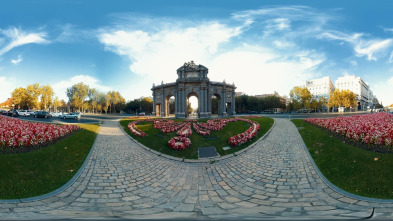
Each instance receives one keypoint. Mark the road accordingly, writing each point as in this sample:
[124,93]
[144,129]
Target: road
[97,118]
[85,119]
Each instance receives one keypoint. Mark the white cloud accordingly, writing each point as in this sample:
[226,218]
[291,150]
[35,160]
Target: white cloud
[337,35]
[370,48]
[148,50]
[279,24]
[67,34]
[383,91]
[60,88]
[388,29]
[18,60]
[353,62]
[156,52]
[391,57]
[282,44]
[17,38]
[361,47]
[7,86]
[258,70]
[301,21]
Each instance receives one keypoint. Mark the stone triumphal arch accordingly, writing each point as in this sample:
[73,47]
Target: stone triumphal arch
[193,81]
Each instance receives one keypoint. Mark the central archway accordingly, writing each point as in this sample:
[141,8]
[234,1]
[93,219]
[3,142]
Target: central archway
[192,105]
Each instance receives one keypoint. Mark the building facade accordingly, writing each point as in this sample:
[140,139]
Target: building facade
[364,95]
[321,87]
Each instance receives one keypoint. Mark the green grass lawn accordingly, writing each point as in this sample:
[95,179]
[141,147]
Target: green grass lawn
[39,172]
[350,168]
[159,141]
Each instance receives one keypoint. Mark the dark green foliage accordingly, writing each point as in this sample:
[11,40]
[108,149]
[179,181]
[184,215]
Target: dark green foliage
[246,103]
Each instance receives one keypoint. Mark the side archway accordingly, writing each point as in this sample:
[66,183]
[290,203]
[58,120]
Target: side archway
[170,107]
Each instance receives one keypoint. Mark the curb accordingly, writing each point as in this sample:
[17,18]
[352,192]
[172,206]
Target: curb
[62,188]
[207,160]
[337,189]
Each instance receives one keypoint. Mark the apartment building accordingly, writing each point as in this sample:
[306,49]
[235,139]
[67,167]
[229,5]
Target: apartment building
[320,87]
[364,95]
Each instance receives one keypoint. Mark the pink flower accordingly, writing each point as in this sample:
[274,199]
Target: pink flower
[374,129]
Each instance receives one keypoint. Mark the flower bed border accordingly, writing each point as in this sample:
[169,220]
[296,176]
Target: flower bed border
[33,147]
[26,149]
[359,144]
[205,160]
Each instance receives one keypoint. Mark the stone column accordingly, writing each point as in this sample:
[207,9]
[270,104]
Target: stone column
[223,102]
[154,103]
[203,103]
[176,102]
[180,112]
[233,103]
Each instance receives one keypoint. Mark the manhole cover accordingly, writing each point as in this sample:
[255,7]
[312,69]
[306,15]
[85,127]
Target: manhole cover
[206,152]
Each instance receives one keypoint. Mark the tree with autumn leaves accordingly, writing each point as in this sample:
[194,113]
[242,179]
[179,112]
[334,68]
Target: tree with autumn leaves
[301,98]
[83,98]
[342,98]
[33,96]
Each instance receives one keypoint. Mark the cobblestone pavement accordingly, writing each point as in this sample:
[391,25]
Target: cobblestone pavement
[274,179]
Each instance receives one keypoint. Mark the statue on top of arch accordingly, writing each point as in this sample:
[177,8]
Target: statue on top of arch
[190,65]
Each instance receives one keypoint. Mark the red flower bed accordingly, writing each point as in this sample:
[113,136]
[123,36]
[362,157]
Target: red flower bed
[179,143]
[185,131]
[135,130]
[216,124]
[18,133]
[242,138]
[160,123]
[167,126]
[376,129]
[200,130]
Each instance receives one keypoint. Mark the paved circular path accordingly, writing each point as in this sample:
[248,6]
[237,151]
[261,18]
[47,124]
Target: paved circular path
[274,179]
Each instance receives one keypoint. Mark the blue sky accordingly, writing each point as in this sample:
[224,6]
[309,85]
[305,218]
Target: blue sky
[261,46]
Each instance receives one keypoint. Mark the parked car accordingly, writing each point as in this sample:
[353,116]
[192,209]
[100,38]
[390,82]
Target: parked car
[24,113]
[3,112]
[32,113]
[142,114]
[71,116]
[56,114]
[13,113]
[43,114]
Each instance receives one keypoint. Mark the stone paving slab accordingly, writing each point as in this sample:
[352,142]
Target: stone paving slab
[275,179]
